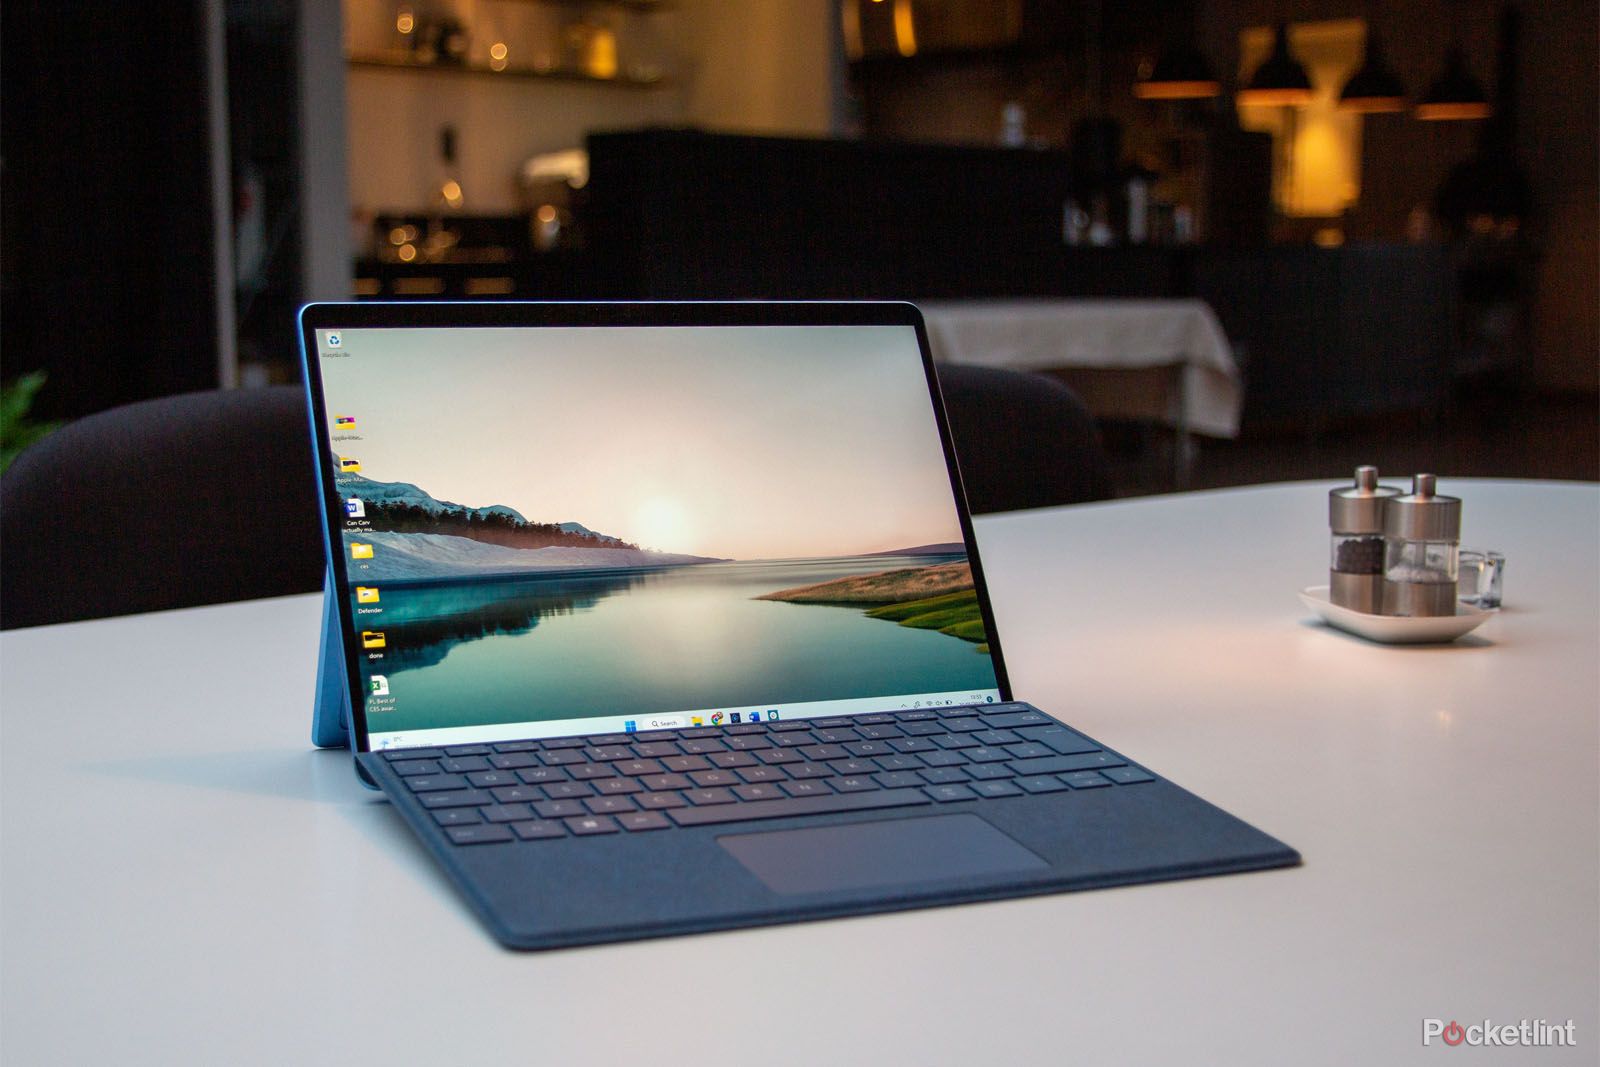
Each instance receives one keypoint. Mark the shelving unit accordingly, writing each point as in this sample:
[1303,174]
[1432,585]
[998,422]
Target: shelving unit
[399,61]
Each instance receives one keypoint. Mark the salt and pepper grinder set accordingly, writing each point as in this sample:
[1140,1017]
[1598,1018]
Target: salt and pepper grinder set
[1394,553]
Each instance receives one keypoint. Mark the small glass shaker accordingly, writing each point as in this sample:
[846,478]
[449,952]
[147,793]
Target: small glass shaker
[1422,545]
[1355,561]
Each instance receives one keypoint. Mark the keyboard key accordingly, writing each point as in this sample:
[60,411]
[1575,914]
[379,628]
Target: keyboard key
[684,764]
[611,787]
[777,756]
[437,783]
[946,793]
[853,783]
[567,790]
[985,754]
[940,758]
[831,723]
[964,725]
[943,775]
[655,737]
[1029,750]
[540,775]
[835,736]
[643,820]
[898,780]
[512,761]
[748,744]
[558,809]
[988,771]
[457,816]
[467,750]
[507,812]
[879,733]
[1059,739]
[915,716]
[1011,719]
[1086,780]
[1062,764]
[742,729]
[787,727]
[853,766]
[655,749]
[610,739]
[867,748]
[923,729]
[699,797]
[822,753]
[554,744]
[487,779]
[538,830]
[464,765]
[810,787]
[707,779]
[659,801]
[585,826]
[913,744]
[1042,783]
[515,746]
[791,740]
[955,741]
[477,835]
[762,774]
[584,772]
[791,806]
[728,760]
[413,753]
[634,768]
[872,720]
[562,757]
[658,782]
[759,791]
[1128,775]
[517,794]
[461,798]
[608,805]
[997,737]
[412,768]
[808,770]
[702,746]
[995,789]
[899,763]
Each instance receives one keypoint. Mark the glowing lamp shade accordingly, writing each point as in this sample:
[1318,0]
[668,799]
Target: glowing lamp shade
[1456,95]
[1180,73]
[1281,80]
[1374,88]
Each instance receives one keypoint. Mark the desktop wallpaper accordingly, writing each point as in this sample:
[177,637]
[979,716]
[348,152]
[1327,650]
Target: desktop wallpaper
[558,523]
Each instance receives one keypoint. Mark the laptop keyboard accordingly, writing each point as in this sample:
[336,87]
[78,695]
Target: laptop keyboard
[612,783]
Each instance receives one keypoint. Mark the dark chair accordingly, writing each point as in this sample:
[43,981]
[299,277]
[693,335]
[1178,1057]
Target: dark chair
[1023,440]
[205,498]
[192,499]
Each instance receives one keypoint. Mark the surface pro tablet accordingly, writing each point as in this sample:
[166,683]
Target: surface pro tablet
[659,618]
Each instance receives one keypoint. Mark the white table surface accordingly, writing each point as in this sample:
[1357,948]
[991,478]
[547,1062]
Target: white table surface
[1103,334]
[183,881]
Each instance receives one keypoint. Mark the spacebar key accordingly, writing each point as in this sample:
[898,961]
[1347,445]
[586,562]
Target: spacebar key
[787,806]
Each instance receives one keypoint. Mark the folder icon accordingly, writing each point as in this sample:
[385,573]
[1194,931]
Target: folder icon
[366,594]
[372,639]
[349,466]
[344,422]
[360,551]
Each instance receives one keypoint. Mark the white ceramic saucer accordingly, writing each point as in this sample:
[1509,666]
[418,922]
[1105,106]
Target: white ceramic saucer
[1394,629]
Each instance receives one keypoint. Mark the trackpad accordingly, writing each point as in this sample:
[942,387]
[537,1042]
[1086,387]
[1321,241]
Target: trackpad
[859,855]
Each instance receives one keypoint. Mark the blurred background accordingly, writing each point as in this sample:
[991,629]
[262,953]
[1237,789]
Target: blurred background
[1387,210]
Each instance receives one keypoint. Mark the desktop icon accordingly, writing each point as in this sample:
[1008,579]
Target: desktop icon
[772,716]
[733,716]
[335,340]
[344,422]
[695,720]
[378,685]
[366,594]
[372,639]
[755,716]
[630,727]
[354,508]
[360,551]
[716,718]
[349,466]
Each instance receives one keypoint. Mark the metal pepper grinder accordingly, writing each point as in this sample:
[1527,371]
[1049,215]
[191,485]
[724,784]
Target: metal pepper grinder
[1355,562]
[1422,551]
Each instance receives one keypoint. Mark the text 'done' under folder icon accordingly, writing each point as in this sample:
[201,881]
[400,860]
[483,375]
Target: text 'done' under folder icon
[360,551]
[373,639]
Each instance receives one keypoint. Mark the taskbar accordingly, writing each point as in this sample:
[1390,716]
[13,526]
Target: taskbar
[673,720]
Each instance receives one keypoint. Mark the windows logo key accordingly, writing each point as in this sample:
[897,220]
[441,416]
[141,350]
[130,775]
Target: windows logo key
[630,727]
